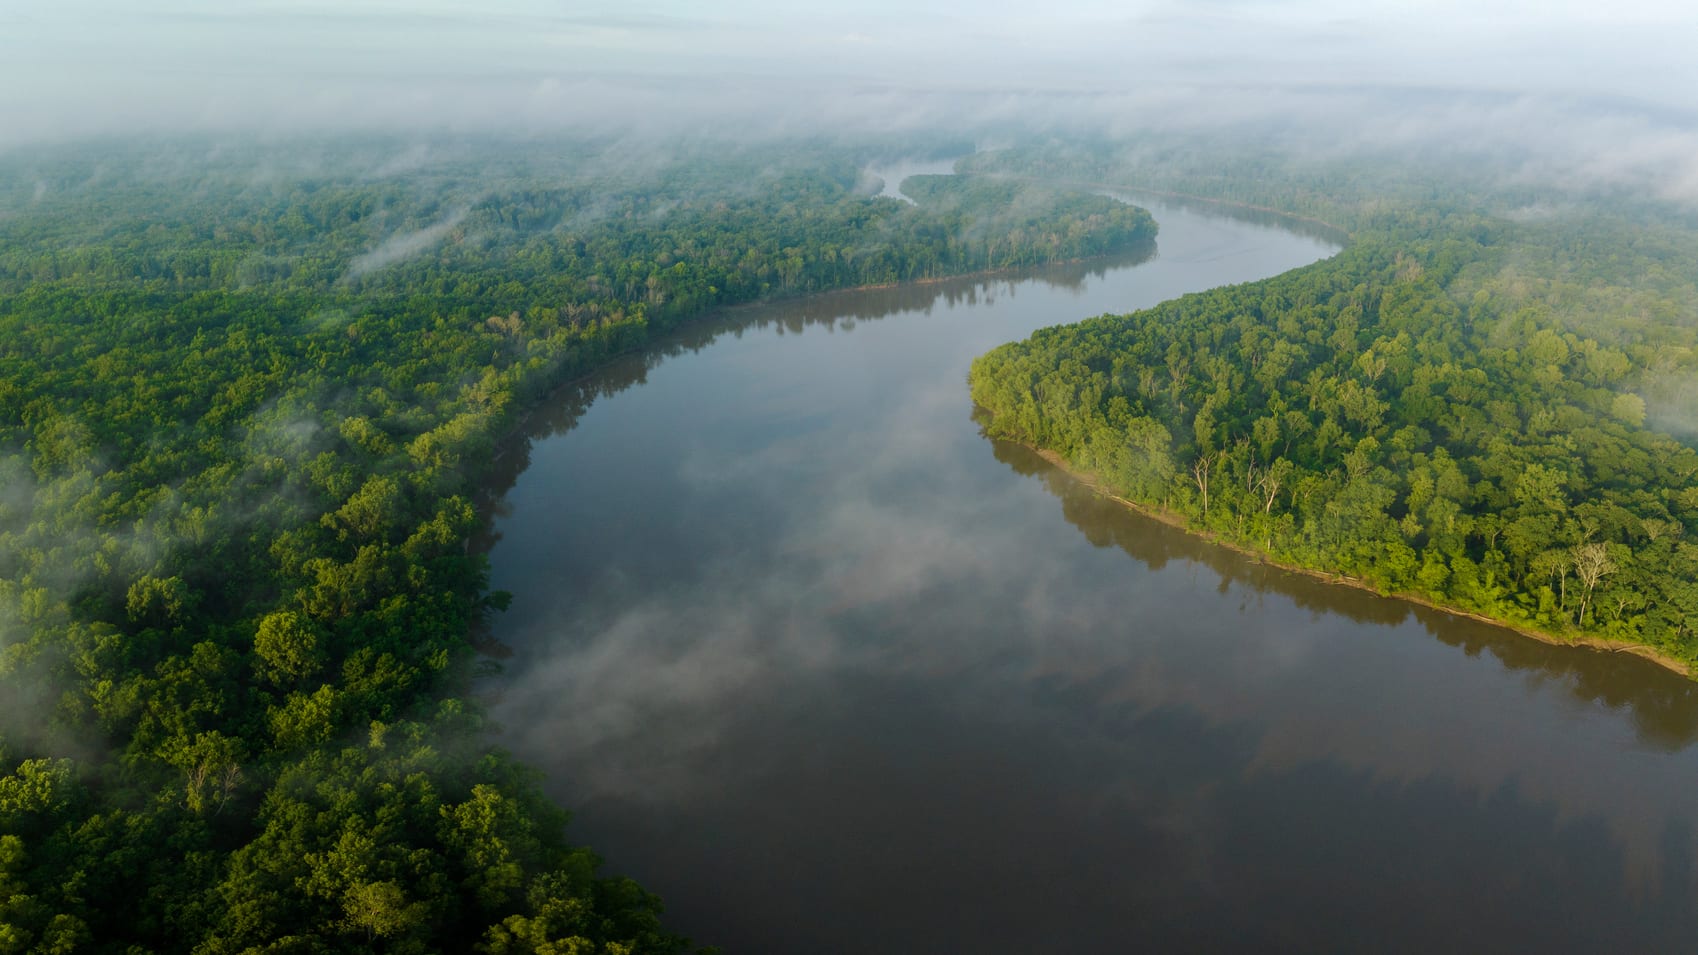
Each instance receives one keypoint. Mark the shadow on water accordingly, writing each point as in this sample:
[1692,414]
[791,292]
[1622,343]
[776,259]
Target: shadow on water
[1267,218]
[1663,705]
[559,412]
[817,669]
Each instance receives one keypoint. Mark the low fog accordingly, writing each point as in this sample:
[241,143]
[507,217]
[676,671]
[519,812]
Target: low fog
[766,587]
[80,68]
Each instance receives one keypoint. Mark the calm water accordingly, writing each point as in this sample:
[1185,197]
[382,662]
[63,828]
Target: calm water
[832,672]
[893,173]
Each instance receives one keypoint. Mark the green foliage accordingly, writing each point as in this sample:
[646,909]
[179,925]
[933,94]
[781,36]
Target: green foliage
[242,414]
[1419,412]
[287,647]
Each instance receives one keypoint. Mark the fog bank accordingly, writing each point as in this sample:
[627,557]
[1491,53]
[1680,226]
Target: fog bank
[82,68]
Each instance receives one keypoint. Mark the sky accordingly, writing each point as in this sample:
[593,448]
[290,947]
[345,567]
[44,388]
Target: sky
[72,68]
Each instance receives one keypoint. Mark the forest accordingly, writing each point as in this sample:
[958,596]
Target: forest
[1481,403]
[247,391]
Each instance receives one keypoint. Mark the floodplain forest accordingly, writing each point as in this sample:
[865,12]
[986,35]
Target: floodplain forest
[246,397]
[1470,405]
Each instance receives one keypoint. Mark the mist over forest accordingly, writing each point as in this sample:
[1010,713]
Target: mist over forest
[298,298]
[1591,94]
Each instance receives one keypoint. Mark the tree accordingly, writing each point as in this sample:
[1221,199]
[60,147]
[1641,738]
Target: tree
[1591,564]
[287,647]
[380,909]
[153,602]
[1200,469]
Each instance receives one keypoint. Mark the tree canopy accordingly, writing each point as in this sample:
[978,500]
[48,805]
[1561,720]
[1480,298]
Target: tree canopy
[246,394]
[1463,406]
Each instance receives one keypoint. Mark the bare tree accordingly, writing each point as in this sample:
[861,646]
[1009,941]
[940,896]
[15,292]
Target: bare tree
[1200,469]
[1591,563]
[231,781]
[1625,600]
[1655,529]
[1268,481]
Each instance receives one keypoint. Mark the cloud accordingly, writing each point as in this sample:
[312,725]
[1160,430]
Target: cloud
[95,67]
[399,248]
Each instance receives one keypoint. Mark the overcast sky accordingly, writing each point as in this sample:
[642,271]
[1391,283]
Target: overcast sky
[76,67]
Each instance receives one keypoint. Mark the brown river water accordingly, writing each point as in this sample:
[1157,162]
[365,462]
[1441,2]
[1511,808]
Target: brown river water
[830,671]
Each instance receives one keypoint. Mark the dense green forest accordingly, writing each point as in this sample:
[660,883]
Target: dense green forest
[246,392]
[1479,402]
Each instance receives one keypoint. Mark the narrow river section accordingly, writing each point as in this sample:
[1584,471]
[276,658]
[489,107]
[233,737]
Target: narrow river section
[830,671]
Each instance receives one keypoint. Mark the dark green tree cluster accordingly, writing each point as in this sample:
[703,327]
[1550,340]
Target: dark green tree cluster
[243,408]
[1449,408]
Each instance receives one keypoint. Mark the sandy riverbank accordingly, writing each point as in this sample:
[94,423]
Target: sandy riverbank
[1176,520]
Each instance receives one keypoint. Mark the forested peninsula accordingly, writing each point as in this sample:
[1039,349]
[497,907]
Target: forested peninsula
[247,390]
[1482,402]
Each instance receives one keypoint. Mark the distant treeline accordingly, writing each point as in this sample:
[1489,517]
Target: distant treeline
[244,400]
[1470,406]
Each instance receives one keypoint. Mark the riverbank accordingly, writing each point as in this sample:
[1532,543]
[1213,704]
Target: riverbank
[505,462]
[787,562]
[1145,244]
[1179,522]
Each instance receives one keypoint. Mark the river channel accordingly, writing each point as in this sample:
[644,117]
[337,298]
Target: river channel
[830,671]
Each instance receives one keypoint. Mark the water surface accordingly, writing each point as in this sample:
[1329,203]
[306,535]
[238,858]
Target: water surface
[892,174]
[832,672]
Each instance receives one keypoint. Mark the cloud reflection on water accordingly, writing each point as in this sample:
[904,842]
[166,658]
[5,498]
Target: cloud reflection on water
[826,611]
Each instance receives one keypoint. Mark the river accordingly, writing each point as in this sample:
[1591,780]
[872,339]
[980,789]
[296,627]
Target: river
[830,671]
